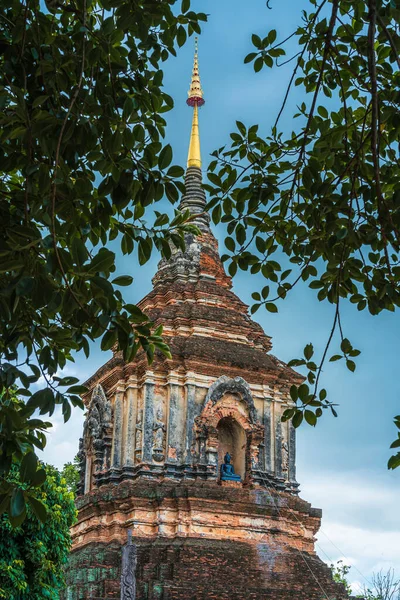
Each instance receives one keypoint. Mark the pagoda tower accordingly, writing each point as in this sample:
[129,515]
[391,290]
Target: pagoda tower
[163,513]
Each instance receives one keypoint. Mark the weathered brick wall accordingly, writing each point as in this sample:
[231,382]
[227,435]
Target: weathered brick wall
[94,572]
[199,569]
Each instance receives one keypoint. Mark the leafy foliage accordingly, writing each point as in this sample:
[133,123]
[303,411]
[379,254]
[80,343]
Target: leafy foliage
[383,585]
[70,473]
[82,160]
[339,574]
[394,460]
[32,555]
[321,204]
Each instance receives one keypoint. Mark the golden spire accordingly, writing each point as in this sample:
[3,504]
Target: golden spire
[195,99]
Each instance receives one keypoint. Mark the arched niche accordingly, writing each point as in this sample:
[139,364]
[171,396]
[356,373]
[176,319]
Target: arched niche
[227,386]
[228,418]
[232,438]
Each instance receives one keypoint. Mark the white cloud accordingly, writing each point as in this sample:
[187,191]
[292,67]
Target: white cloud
[360,524]
[63,438]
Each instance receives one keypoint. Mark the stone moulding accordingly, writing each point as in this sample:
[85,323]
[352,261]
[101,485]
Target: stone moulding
[198,509]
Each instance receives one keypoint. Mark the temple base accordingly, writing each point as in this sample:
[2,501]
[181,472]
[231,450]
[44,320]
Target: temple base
[198,569]
[197,541]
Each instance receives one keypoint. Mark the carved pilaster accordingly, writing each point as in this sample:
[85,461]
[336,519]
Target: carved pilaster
[129,427]
[190,417]
[128,575]
[267,437]
[148,418]
[118,428]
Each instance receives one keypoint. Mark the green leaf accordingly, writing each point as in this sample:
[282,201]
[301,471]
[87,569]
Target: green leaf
[335,357]
[310,417]
[144,251]
[394,461]
[17,132]
[165,158]
[250,57]
[308,351]
[123,280]
[77,389]
[102,261]
[17,503]
[323,112]
[39,100]
[109,339]
[230,244]
[175,172]
[39,478]
[28,466]
[345,346]
[41,398]
[271,307]
[38,508]
[297,419]
[181,36]
[256,40]
[185,6]
[271,36]
[303,392]
[79,251]
[288,414]
[258,64]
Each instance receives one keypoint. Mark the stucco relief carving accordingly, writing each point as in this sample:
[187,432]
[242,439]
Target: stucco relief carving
[285,459]
[159,430]
[98,419]
[139,436]
[97,430]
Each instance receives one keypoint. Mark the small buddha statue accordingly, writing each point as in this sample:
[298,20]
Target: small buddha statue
[227,470]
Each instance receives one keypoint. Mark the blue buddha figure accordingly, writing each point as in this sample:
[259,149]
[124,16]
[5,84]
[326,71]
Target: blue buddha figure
[227,470]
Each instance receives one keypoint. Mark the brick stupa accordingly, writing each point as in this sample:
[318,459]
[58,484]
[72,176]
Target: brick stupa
[155,438]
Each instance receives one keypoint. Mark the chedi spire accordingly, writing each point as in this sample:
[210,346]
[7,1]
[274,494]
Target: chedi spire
[194,198]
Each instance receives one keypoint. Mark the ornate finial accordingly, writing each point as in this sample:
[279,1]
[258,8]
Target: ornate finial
[194,199]
[195,93]
[195,99]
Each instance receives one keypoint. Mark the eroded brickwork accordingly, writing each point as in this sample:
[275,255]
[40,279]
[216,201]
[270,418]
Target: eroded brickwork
[198,569]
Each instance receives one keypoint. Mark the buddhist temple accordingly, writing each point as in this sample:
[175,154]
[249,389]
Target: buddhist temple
[188,474]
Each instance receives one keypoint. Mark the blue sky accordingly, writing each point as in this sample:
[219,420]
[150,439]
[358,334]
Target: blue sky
[341,463]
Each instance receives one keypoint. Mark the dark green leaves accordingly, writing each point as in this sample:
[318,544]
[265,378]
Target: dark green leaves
[82,161]
[319,203]
[123,280]
[165,157]
[38,508]
[103,261]
[109,339]
[28,467]
[394,461]
[47,546]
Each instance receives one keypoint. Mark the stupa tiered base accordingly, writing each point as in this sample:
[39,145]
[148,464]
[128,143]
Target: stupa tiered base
[198,541]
